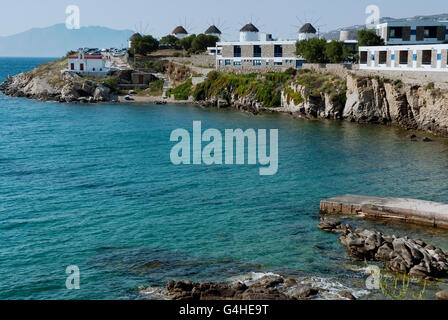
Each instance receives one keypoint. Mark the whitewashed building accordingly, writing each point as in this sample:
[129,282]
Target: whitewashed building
[256,52]
[413,32]
[431,57]
[84,63]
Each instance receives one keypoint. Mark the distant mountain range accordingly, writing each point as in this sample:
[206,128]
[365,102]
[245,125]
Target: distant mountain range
[334,34]
[57,40]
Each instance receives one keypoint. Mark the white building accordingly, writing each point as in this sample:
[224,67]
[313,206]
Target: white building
[413,32]
[86,63]
[256,52]
[307,31]
[433,57]
[180,32]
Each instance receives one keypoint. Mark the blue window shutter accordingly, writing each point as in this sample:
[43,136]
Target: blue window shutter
[393,57]
[414,57]
[439,56]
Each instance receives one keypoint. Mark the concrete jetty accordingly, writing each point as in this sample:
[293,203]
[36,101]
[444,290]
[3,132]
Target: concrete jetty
[408,210]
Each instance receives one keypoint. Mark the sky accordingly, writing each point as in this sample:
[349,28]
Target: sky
[282,18]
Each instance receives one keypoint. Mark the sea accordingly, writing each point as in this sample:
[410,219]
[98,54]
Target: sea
[91,187]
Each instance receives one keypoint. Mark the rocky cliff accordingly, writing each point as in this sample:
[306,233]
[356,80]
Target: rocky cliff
[362,100]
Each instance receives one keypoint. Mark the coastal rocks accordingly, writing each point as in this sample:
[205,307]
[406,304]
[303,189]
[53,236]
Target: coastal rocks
[266,288]
[442,295]
[69,88]
[402,255]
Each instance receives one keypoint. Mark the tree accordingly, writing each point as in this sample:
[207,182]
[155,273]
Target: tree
[312,50]
[367,38]
[170,41]
[144,45]
[186,42]
[202,42]
[336,52]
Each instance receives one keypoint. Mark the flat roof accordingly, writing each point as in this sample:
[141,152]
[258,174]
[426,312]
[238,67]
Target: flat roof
[405,47]
[412,24]
[236,43]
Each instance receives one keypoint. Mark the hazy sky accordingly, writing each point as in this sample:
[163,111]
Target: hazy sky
[280,17]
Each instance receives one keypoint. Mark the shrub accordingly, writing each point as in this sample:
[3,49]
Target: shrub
[111,83]
[367,38]
[430,86]
[183,91]
[144,45]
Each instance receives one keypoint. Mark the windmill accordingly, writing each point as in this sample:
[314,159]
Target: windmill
[309,20]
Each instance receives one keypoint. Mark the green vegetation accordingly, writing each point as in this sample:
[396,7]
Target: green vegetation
[368,38]
[267,88]
[169,41]
[336,52]
[155,88]
[313,50]
[144,45]
[195,43]
[430,86]
[183,91]
[294,96]
[321,51]
[111,83]
[398,83]
[158,66]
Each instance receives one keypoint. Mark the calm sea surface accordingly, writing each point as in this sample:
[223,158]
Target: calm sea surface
[93,186]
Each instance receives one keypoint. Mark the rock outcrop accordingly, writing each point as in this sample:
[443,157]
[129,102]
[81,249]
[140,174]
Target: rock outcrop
[402,255]
[69,88]
[365,100]
[266,288]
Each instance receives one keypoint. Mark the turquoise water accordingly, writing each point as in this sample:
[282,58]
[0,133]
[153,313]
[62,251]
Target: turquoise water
[93,186]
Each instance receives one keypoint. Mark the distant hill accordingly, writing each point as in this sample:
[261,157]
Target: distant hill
[57,40]
[334,34]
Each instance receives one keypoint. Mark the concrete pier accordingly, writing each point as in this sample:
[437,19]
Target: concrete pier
[408,210]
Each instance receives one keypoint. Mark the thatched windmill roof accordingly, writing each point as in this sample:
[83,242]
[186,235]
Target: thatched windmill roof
[180,30]
[249,28]
[213,30]
[307,28]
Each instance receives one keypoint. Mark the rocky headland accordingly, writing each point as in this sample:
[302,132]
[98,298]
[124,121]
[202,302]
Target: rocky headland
[412,257]
[302,93]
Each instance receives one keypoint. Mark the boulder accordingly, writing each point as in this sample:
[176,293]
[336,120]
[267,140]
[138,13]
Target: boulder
[101,93]
[442,295]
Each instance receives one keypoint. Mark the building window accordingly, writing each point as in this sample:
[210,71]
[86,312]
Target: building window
[237,63]
[257,63]
[257,51]
[228,63]
[404,56]
[72,66]
[383,57]
[396,33]
[363,57]
[372,57]
[278,51]
[427,57]
[237,51]
[430,32]
[278,63]
[439,56]
[220,62]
